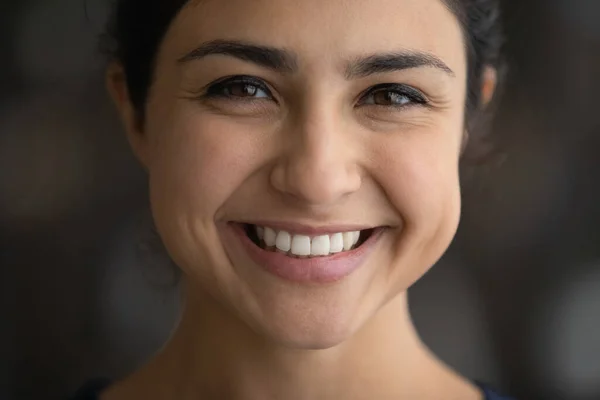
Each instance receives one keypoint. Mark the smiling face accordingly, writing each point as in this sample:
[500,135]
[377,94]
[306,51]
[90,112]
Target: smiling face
[311,119]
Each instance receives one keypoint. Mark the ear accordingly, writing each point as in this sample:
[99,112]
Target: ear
[116,84]
[488,85]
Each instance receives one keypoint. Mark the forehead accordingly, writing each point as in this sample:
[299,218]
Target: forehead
[322,30]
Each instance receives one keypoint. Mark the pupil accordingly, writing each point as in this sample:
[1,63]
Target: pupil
[387,98]
[244,90]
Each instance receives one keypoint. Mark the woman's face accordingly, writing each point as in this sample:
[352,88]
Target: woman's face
[316,119]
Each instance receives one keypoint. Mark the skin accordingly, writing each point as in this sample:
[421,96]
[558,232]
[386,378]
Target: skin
[317,153]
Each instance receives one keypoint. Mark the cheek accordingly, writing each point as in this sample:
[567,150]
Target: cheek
[199,162]
[196,164]
[420,176]
[427,183]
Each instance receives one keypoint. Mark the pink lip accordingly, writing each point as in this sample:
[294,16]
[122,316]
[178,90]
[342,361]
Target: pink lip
[318,270]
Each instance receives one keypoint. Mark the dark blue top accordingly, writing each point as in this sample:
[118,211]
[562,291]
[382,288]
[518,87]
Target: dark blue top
[92,390]
[490,394]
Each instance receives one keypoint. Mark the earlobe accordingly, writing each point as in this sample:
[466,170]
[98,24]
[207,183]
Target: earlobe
[488,86]
[116,85]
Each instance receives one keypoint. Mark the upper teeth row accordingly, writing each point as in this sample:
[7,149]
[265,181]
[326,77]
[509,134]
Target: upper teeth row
[304,246]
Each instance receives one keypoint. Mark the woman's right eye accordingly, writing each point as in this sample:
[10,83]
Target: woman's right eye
[239,88]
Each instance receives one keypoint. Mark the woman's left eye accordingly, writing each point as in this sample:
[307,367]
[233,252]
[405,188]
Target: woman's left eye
[393,95]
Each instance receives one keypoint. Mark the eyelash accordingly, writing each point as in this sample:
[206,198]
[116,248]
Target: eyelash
[219,89]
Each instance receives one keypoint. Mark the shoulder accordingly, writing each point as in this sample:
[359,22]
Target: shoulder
[92,390]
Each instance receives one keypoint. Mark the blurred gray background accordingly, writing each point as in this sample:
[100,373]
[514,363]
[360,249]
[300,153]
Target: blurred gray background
[516,301]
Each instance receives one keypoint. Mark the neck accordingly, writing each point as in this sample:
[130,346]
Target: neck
[213,354]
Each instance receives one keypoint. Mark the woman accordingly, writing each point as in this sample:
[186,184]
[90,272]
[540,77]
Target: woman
[303,166]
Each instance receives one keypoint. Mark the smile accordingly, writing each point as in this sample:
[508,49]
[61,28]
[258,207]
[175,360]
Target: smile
[304,255]
[300,245]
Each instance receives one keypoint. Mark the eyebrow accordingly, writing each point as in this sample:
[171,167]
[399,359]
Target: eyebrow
[284,61]
[390,62]
[279,60]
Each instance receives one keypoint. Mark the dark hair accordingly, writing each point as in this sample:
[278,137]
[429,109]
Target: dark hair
[135,32]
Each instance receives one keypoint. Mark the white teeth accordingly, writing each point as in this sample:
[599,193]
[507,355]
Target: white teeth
[348,240]
[301,245]
[336,243]
[283,241]
[270,237]
[305,246]
[320,246]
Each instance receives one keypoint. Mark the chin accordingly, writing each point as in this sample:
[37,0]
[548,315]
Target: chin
[316,327]
[321,338]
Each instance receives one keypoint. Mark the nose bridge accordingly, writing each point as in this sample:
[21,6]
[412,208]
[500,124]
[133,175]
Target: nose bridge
[319,168]
[318,146]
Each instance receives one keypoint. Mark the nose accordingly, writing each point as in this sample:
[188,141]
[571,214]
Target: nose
[318,165]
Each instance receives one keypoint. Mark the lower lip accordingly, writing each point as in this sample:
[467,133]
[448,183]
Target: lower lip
[317,270]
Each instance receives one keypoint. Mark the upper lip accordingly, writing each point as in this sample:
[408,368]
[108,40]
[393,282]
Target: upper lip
[310,230]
